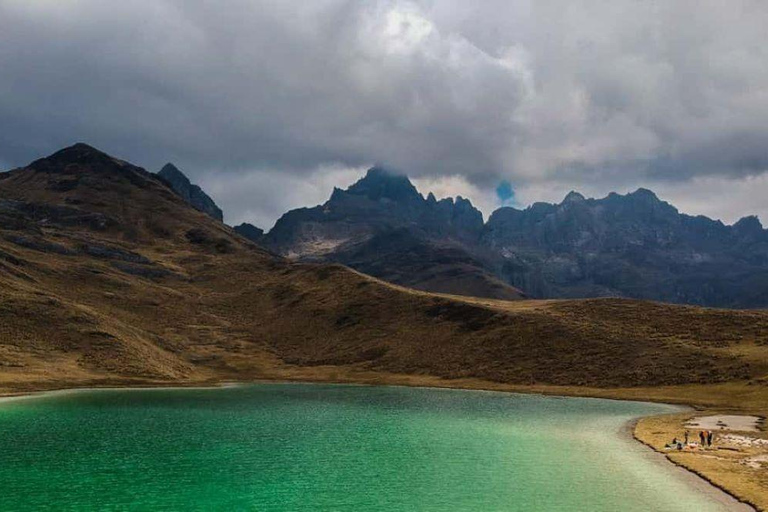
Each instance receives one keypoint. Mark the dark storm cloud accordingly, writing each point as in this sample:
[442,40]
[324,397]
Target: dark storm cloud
[248,95]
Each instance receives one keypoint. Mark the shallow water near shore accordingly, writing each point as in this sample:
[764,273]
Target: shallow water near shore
[331,447]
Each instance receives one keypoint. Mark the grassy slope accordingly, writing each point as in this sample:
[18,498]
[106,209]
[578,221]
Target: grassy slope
[227,310]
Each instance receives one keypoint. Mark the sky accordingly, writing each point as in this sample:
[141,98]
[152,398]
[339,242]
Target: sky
[269,104]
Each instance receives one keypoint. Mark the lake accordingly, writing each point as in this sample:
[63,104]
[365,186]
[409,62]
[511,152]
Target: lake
[331,447]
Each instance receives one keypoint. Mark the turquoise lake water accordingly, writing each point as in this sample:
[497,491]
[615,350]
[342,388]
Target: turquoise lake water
[324,447]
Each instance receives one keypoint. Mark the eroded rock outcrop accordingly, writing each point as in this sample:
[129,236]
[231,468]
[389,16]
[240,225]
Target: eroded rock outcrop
[190,192]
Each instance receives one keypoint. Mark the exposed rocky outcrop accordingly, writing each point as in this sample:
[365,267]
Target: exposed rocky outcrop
[379,202]
[19,215]
[113,253]
[384,227]
[191,193]
[38,244]
[250,232]
[211,306]
[632,245]
[146,271]
[204,238]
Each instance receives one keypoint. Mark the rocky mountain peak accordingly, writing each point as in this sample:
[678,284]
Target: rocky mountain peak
[640,204]
[645,195]
[78,154]
[380,183]
[573,197]
[749,225]
[466,217]
[191,193]
[250,232]
[172,173]
[632,245]
[464,206]
[78,150]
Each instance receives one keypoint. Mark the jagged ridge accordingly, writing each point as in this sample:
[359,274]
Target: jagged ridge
[632,245]
[382,226]
[192,194]
[164,293]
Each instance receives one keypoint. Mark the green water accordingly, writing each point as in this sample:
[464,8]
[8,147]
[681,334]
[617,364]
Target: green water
[323,447]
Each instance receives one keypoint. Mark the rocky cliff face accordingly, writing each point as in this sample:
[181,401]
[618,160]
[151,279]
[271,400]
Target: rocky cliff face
[250,232]
[381,201]
[383,226]
[108,277]
[192,194]
[632,245]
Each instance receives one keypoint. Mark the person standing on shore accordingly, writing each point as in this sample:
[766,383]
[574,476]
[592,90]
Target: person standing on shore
[710,434]
[702,438]
[686,438]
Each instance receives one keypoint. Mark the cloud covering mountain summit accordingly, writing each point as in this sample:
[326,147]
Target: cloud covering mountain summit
[536,93]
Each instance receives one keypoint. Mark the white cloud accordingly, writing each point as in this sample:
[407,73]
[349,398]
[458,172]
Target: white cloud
[260,197]
[452,186]
[723,198]
[595,95]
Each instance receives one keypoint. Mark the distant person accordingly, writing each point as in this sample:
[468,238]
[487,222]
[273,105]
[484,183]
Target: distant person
[710,434]
[686,438]
[702,438]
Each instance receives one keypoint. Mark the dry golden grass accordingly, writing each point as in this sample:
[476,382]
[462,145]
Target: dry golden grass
[725,464]
[226,310]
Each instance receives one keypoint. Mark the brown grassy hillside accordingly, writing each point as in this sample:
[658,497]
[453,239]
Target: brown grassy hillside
[107,276]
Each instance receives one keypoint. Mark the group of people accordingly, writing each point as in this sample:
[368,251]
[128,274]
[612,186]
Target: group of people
[705,439]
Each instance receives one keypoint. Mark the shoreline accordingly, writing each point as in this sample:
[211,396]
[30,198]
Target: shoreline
[694,478]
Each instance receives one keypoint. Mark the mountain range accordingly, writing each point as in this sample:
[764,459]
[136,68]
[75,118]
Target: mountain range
[632,245]
[108,276]
[383,227]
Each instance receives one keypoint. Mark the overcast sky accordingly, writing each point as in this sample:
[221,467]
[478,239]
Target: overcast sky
[270,103]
